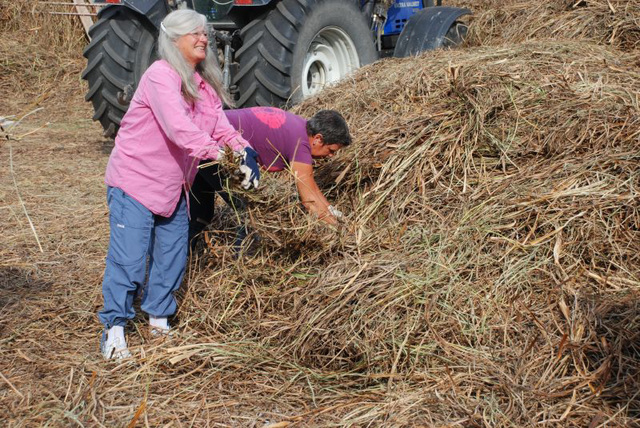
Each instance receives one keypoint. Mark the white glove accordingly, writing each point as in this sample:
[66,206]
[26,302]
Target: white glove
[250,169]
[334,211]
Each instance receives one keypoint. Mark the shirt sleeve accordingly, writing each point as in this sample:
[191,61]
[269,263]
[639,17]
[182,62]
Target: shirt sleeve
[301,153]
[163,93]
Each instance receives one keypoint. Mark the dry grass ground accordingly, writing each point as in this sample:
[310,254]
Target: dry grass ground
[488,273]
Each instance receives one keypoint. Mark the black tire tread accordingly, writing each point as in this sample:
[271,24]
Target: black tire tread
[117,58]
[111,78]
[122,34]
[92,65]
[97,84]
[264,75]
[288,15]
[279,90]
[273,61]
[120,40]
[286,43]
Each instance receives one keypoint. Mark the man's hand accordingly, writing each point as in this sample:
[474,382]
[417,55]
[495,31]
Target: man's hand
[250,169]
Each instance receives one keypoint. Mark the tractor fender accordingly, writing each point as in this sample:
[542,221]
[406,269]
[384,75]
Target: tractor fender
[153,10]
[426,30]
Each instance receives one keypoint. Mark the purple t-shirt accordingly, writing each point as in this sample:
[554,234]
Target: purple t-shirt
[279,137]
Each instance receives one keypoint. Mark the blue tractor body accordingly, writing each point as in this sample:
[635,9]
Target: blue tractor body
[399,14]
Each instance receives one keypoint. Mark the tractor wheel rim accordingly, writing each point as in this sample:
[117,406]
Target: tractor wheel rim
[331,56]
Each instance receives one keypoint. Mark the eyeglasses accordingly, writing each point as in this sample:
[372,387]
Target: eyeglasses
[199,35]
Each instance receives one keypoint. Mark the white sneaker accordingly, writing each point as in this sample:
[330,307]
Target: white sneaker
[161,332]
[159,327]
[113,344]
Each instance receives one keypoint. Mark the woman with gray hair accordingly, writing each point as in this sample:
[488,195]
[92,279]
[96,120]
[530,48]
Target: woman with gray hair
[175,119]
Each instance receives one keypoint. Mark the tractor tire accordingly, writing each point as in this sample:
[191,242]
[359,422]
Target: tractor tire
[122,47]
[299,47]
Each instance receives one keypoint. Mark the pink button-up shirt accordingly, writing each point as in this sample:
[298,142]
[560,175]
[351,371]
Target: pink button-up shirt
[162,137]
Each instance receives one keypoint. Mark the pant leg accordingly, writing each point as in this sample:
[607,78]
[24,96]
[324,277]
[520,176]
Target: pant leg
[208,182]
[167,262]
[131,227]
[202,199]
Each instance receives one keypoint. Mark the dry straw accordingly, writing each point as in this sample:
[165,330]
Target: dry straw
[609,22]
[40,61]
[492,241]
[31,22]
[487,273]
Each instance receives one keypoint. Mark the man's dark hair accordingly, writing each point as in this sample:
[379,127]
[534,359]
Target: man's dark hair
[331,125]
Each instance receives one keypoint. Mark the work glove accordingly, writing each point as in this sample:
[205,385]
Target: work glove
[250,168]
[335,212]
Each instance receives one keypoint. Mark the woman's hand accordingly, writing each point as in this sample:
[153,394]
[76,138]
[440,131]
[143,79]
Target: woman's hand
[250,168]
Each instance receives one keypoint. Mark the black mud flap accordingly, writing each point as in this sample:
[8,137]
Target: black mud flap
[428,29]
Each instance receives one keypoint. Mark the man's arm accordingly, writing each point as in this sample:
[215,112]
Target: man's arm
[310,194]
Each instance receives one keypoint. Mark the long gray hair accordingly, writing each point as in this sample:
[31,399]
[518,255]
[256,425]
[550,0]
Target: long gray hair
[175,25]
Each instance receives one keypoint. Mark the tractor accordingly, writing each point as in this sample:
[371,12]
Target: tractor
[273,52]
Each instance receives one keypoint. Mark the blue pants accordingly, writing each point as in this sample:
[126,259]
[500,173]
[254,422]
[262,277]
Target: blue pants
[142,246]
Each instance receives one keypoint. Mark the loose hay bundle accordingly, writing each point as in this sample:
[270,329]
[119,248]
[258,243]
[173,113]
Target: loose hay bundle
[490,267]
[610,22]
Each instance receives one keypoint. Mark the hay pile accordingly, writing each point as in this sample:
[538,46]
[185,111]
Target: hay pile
[490,264]
[611,22]
[488,272]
